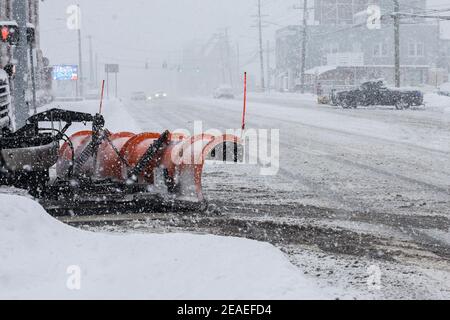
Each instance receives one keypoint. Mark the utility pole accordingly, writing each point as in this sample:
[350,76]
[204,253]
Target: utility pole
[397,42]
[80,56]
[261,49]
[438,50]
[230,70]
[20,9]
[304,40]
[438,43]
[33,76]
[238,59]
[268,67]
[96,69]
[91,62]
[116,86]
[222,60]
[107,83]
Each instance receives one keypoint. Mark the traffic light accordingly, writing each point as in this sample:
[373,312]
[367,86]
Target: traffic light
[9,34]
[5,34]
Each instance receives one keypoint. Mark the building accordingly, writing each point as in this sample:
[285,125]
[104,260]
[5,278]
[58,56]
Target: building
[342,51]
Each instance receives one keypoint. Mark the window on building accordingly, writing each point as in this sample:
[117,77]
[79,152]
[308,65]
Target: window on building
[329,13]
[345,11]
[420,50]
[416,49]
[357,47]
[332,48]
[380,49]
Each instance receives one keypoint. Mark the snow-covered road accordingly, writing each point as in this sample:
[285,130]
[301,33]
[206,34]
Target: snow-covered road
[369,160]
[373,183]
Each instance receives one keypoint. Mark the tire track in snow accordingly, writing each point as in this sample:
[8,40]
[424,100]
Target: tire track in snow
[364,167]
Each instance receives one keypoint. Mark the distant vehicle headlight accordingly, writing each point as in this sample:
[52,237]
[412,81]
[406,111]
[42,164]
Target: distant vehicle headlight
[165,95]
[157,95]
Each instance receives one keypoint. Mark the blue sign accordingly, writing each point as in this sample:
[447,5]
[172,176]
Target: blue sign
[65,72]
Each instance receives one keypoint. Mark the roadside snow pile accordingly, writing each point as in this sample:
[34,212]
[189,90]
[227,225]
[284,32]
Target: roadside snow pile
[435,101]
[285,96]
[116,116]
[41,259]
[445,87]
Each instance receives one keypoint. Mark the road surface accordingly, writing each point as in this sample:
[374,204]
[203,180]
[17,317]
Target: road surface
[356,191]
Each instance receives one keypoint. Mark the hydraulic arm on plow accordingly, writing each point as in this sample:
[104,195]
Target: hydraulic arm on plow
[98,171]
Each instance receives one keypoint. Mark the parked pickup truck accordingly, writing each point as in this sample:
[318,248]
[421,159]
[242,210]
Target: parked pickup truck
[376,93]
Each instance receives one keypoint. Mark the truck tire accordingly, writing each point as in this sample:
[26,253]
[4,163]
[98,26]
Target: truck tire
[346,104]
[401,104]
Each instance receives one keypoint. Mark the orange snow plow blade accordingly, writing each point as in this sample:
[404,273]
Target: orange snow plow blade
[146,159]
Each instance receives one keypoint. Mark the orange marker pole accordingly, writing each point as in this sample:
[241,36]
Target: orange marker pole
[101,97]
[245,101]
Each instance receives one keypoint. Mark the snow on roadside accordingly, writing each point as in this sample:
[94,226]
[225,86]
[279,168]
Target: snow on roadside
[115,112]
[435,101]
[37,250]
[294,96]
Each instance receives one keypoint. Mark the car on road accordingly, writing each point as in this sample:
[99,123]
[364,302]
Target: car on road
[224,92]
[139,96]
[376,93]
[160,95]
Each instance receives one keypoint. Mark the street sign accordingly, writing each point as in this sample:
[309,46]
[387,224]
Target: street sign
[112,68]
[65,72]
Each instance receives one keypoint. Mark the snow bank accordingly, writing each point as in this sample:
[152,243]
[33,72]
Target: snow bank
[435,101]
[37,250]
[285,96]
[445,87]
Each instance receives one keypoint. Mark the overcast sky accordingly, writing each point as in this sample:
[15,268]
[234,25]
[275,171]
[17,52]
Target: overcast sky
[132,31]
